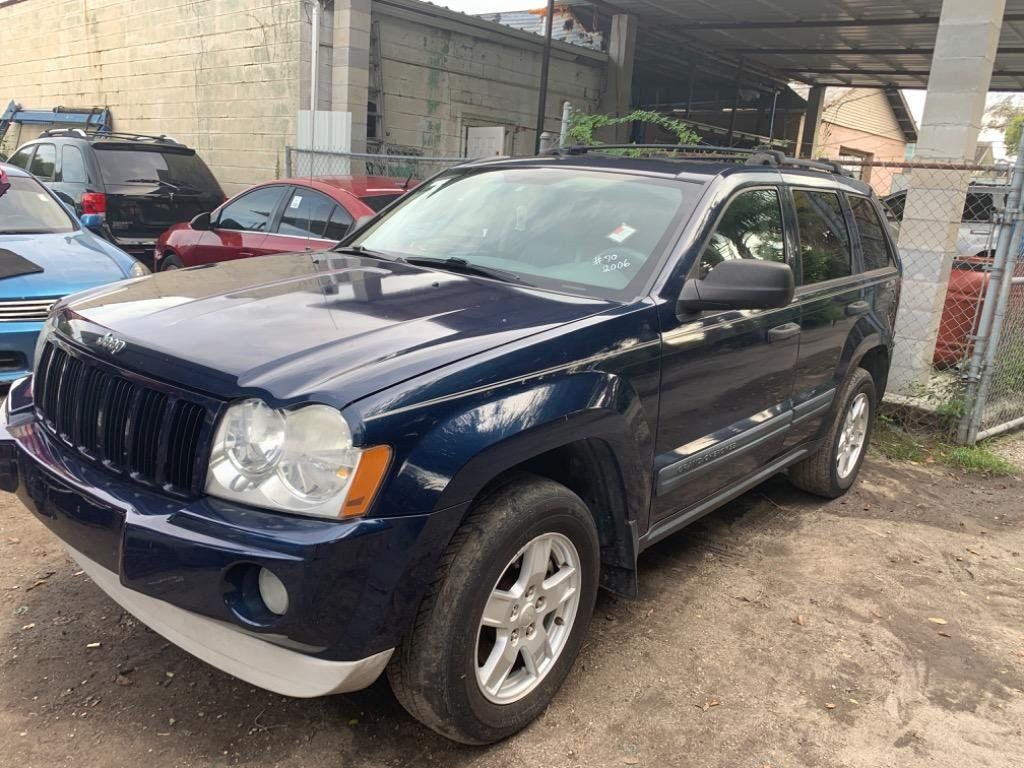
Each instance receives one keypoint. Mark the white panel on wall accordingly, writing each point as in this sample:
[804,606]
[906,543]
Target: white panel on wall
[485,141]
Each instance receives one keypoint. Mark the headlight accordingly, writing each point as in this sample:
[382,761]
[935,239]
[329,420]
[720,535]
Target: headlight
[44,334]
[300,461]
[139,270]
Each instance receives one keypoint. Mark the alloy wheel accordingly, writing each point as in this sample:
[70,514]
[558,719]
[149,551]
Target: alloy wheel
[528,618]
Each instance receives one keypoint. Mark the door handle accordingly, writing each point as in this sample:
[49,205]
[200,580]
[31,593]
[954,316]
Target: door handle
[857,308]
[783,332]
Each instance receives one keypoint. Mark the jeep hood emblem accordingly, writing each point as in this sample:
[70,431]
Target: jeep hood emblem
[113,344]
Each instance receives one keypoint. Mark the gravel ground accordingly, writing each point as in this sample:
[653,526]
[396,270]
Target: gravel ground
[882,629]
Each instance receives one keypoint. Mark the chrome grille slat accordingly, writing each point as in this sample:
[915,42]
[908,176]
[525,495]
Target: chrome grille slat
[129,426]
[25,311]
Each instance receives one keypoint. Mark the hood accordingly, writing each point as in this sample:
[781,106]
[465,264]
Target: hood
[71,262]
[325,326]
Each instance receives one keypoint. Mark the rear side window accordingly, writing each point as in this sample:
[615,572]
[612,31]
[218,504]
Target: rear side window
[306,214]
[178,168]
[894,205]
[750,228]
[72,165]
[339,225]
[873,243]
[44,161]
[380,202]
[824,238]
[252,211]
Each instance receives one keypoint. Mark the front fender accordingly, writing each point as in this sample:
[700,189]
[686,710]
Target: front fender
[456,458]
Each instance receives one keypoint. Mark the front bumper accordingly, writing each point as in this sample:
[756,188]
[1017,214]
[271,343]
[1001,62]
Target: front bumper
[353,586]
[17,346]
[248,658]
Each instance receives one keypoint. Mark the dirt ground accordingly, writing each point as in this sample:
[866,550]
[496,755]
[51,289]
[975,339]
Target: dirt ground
[882,629]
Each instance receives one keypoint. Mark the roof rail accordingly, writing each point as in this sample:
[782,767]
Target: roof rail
[776,158]
[582,149]
[162,138]
[757,156]
[100,134]
[80,132]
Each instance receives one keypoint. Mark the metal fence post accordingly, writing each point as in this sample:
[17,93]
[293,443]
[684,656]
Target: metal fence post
[288,162]
[997,297]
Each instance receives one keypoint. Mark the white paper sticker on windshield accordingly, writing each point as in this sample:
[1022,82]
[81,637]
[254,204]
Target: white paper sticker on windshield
[296,201]
[622,233]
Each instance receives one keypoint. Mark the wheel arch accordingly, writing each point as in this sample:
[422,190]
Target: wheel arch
[587,431]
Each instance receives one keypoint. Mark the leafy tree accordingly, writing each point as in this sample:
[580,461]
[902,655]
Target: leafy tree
[582,126]
[1007,115]
[1012,134]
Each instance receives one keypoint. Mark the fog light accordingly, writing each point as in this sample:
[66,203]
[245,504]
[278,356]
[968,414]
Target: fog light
[273,593]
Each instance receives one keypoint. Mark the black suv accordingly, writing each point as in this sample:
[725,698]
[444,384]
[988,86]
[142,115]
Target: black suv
[140,185]
[424,451]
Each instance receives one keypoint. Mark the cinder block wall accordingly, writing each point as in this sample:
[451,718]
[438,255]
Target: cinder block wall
[220,75]
[441,75]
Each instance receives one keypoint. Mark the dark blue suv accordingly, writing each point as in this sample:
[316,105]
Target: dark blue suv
[425,450]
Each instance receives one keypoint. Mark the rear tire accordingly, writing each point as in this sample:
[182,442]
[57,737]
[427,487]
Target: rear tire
[834,467]
[529,554]
[170,261]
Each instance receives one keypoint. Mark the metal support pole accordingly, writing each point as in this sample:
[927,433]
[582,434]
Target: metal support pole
[563,134]
[545,66]
[771,123]
[987,338]
[735,104]
[689,96]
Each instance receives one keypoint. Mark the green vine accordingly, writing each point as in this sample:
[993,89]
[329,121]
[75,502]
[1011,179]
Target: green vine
[582,126]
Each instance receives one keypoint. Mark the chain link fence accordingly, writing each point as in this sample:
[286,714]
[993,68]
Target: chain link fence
[300,163]
[953,223]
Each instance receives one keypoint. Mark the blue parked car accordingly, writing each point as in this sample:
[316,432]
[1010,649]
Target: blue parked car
[424,451]
[45,254]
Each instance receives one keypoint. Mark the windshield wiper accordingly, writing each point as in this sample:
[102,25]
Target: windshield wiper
[359,250]
[461,265]
[174,187]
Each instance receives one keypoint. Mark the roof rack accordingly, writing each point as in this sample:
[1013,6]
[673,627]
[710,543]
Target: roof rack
[776,158]
[100,135]
[757,156]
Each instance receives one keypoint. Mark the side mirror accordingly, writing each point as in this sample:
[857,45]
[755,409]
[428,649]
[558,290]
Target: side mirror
[739,284]
[93,222]
[201,222]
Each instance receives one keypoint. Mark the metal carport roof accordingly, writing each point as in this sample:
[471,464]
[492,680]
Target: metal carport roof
[863,43]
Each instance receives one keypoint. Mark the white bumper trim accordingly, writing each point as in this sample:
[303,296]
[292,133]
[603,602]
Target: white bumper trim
[246,657]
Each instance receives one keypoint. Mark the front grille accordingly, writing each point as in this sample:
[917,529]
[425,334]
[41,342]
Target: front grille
[25,311]
[113,418]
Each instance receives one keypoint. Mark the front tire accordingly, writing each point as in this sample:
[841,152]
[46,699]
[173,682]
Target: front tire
[170,261]
[505,616]
[834,467]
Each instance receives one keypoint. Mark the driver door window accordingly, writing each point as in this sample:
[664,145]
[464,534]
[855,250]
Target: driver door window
[750,228]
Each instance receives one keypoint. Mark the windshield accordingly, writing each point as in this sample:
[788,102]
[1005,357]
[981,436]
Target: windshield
[27,209]
[149,166]
[569,229]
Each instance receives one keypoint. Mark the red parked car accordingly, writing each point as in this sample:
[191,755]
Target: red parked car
[280,216]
